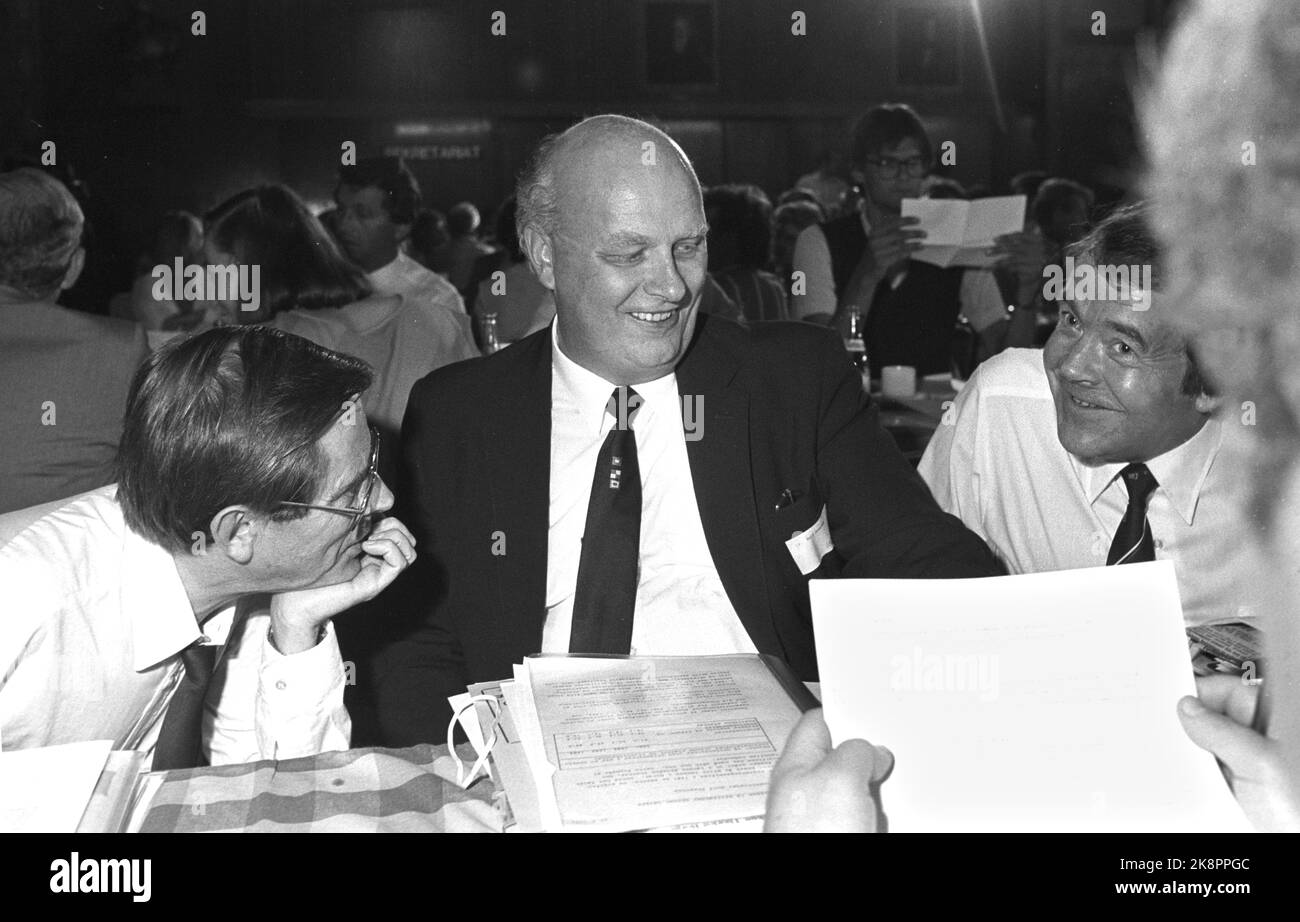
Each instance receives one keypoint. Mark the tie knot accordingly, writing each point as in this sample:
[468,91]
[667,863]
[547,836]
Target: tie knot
[1139,481]
[623,405]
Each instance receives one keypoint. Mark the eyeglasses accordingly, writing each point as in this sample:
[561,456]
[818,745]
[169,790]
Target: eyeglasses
[889,167]
[367,489]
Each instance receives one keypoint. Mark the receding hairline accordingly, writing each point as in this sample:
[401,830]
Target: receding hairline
[581,144]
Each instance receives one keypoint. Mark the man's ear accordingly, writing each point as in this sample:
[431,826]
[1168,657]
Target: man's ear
[537,247]
[74,269]
[234,533]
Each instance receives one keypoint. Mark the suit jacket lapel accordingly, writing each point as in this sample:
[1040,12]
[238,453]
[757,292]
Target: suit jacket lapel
[517,460]
[723,477]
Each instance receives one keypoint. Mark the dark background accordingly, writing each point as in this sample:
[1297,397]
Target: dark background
[151,117]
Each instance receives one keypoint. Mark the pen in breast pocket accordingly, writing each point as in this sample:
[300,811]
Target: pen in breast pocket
[787,498]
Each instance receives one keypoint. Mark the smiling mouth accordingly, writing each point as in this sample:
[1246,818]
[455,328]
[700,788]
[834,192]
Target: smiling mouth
[655,317]
[1084,405]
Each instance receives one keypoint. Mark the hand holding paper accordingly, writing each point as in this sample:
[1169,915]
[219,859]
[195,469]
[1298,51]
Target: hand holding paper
[1037,702]
[961,233]
[820,788]
[1219,721]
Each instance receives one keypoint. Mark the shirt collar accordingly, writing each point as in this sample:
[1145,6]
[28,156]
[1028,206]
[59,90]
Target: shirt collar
[154,598]
[1180,472]
[587,393]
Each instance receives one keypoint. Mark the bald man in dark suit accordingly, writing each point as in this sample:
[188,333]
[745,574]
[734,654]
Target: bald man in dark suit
[639,477]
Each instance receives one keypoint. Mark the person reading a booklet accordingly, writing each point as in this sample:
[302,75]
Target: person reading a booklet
[248,508]
[863,260]
[639,477]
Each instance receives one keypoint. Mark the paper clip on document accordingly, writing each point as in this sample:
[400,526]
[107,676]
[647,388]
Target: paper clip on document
[483,749]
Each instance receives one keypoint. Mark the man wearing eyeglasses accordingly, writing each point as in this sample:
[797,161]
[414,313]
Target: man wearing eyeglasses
[185,610]
[862,259]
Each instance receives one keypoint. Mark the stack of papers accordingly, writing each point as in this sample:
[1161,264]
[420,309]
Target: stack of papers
[636,743]
[960,233]
[73,787]
[1042,702]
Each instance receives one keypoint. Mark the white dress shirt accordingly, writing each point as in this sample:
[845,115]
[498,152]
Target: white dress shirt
[981,299]
[681,605]
[95,618]
[996,463]
[422,287]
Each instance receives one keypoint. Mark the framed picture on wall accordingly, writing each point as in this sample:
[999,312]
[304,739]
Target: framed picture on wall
[927,44]
[679,46]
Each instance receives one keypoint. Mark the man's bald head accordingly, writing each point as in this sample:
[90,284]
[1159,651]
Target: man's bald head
[612,220]
[563,161]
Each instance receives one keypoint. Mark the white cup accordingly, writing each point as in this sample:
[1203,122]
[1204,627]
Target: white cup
[898,381]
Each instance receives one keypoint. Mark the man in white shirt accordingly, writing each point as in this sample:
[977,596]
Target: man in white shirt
[245,512]
[1051,456]
[378,200]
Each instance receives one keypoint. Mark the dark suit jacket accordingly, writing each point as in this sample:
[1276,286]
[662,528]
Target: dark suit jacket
[783,409]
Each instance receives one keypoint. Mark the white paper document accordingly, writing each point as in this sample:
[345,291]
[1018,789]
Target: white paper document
[649,742]
[960,233]
[1038,702]
[47,789]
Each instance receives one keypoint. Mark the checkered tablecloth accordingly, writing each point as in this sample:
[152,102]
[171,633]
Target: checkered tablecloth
[360,790]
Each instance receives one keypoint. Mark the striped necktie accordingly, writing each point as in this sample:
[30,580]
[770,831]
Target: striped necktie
[1133,541]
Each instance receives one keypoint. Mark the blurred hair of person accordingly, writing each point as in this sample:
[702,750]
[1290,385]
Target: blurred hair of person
[862,260]
[64,374]
[309,288]
[457,257]
[427,234]
[506,286]
[1227,206]
[378,202]
[1062,210]
[329,219]
[788,221]
[826,185]
[801,195]
[179,235]
[1059,217]
[1027,184]
[740,241]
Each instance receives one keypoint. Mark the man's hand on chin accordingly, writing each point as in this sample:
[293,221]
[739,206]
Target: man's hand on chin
[298,616]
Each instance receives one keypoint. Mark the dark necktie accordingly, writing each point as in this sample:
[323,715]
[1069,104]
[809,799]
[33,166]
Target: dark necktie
[1134,542]
[180,741]
[605,596]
